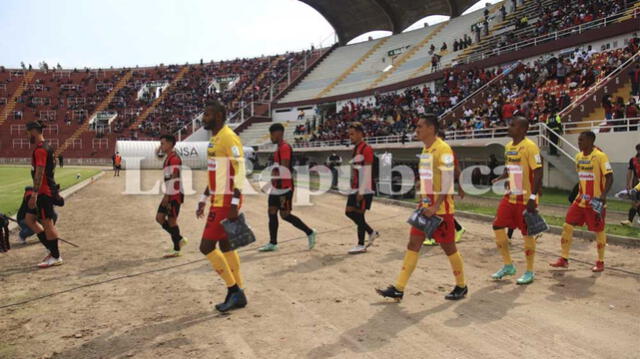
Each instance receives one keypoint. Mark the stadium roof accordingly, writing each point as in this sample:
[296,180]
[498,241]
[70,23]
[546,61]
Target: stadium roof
[351,18]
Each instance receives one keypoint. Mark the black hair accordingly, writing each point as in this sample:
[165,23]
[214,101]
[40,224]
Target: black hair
[276,127]
[35,125]
[590,135]
[169,138]
[431,120]
[216,106]
[638,147]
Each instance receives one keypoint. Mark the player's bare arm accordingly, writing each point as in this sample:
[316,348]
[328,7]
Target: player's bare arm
[37,181]
[535,189]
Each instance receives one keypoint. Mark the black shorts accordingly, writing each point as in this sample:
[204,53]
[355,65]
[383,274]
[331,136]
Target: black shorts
[44,207]
[172,210]
[364,205]
[281,201]
[117,167]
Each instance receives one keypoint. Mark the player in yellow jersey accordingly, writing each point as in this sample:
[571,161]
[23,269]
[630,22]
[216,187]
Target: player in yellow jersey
[225,162]
[596,178]
[436,170]
[523,168]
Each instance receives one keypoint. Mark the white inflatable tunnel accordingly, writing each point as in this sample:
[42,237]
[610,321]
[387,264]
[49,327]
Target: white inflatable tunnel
[142,154]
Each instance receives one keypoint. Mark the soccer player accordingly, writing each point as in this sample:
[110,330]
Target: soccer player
[596,178]
[117,164]
[281,193]
[226,170]
[40,213]
[633,176]
[436,170]
[523,168]
[361,196]
[169,209]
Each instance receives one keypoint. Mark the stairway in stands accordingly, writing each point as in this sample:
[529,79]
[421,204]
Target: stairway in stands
[11,102]
[407,55]
[102,106]
[143,116]
[351,68]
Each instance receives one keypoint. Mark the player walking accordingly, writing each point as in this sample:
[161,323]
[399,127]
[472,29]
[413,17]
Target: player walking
[361,196]
[225,161]
[596,178]
[40,213]
[281,194]
[436,170]
[169,209]
[523,168]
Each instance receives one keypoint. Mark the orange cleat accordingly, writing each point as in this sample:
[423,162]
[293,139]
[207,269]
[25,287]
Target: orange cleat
[560,263]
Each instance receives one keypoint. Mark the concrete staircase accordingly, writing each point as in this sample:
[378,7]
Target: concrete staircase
[630,13]
[101,107]
[597,114]
[11,102]
[351,68]
[407,55]
[143,116]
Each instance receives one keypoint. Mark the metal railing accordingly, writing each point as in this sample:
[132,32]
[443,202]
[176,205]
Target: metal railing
[547,37]
[617,125]
[603,81]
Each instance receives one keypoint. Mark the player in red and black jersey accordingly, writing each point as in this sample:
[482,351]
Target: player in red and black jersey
[361,196]
[169,208]
[281,193]
[633,177]
[40,214]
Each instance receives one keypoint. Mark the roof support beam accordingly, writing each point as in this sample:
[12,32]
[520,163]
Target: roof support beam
[394,22]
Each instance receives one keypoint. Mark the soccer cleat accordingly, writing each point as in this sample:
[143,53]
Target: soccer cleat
[358,249]
[626,222]
[560,263]
[183,242]
[312,238]
[459,234]
[50,262]
[508,269]
[269,247]
[430,242]
[391,292]
[172,254]
[527,278]
[599,267]
[236,300]
[372,237]
[457,293]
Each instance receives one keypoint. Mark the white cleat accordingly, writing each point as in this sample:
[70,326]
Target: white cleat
[50,262]
[358,249]
[372,238]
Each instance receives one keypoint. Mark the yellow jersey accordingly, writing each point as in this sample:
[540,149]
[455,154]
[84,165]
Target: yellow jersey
[436,172]
[592,169]
[520,161]
[225,164]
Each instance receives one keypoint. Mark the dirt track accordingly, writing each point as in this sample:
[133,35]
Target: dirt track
[314,304]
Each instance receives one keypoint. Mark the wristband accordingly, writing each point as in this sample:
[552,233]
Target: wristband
[235,201]
[533,197]
[203,198]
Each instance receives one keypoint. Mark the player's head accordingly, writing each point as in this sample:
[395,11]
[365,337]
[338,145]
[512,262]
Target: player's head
[427,127]
[519,127]
[215,114]
[276,131]
[167,142]
[34,129]
[356,132]
[586,141]
[638,149]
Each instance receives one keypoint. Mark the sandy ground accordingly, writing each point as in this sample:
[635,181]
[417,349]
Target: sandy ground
[116,298]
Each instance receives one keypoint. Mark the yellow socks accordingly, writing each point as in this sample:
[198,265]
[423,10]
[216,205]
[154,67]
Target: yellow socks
[234,264]
[409,264]
[458,268]
[503,245]
[566,238]
[529,251]
[220,265]
[601,238]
